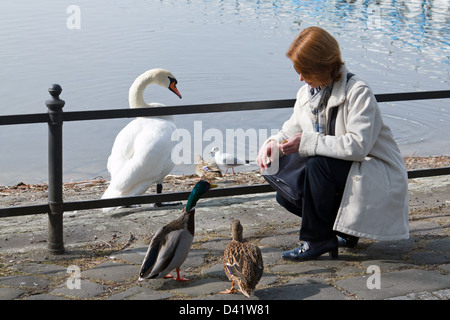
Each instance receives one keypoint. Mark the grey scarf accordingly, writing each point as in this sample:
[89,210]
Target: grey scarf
[318,99]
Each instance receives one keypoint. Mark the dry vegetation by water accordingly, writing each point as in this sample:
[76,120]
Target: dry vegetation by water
[23,193]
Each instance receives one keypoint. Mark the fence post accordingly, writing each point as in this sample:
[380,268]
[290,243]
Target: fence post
[55,177]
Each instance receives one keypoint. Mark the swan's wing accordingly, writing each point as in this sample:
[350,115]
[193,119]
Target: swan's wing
[123,147]
[150,161]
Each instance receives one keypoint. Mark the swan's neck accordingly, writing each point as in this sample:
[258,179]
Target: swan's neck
[136,94]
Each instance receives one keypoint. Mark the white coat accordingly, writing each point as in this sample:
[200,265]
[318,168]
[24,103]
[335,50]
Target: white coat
[375,200]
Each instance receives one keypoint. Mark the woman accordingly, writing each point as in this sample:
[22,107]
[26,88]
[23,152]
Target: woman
[355,183]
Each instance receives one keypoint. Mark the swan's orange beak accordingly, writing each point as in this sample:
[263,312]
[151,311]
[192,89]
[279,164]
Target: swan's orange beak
[173,88]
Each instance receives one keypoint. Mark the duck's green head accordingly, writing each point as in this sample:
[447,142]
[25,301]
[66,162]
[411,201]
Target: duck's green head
[199,189]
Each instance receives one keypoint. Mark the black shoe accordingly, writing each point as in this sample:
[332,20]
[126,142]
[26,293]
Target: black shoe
[312,250]
[347,241]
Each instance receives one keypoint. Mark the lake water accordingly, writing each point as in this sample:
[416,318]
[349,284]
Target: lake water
[220,51]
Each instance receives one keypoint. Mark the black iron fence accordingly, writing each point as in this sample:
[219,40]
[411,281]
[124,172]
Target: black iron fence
[55,118]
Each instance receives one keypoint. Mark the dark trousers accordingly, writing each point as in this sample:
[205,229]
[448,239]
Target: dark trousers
[322,193]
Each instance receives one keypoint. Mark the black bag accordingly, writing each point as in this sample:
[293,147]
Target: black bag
[289,179]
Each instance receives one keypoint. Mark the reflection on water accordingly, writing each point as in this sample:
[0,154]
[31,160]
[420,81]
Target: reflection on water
[220,51]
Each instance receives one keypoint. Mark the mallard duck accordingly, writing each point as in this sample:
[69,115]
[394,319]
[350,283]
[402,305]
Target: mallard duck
[226,159]
[171,244]
[206,170]
[141,153]
[242,262]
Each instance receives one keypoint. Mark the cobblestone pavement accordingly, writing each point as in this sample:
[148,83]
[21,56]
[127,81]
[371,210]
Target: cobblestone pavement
[104,253]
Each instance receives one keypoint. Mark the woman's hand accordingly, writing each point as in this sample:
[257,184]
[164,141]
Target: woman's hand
[292,145]
[267,152]
[270,150]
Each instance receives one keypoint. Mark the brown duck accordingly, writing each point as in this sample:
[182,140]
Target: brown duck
[206,170]
[242,262]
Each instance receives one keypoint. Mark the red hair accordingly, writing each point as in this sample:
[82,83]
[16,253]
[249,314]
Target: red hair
[316,56]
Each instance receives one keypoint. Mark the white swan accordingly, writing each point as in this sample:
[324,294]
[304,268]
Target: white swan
[141,154]
[226,159]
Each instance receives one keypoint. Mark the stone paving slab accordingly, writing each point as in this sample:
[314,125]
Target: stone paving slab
[41,269]
[25,282]
[86,289]
[396,283]
[111,271]
[302,289]
[425,295]
[10,293]
[141,293]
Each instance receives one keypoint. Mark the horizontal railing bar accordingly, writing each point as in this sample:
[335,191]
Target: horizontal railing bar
[405,96]
[177,110]
[127,201]
[149,112]
[422,173]
[201,108]
[164,197]
[24,210]
[24,118]
[175,196]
